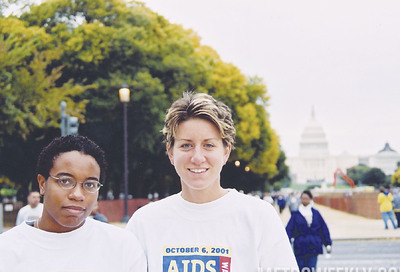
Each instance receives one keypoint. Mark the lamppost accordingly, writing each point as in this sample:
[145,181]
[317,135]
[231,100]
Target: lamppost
[124,98]
[63,106]
[69,124]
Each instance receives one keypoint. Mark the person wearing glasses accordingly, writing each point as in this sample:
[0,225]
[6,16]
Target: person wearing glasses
[69,172]
[206,227]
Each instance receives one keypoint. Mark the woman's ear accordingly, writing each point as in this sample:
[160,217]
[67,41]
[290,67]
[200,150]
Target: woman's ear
[228,150]
[41,180]
[170,154]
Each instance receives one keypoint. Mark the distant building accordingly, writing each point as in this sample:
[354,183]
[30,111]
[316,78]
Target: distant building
[386,159]
[315,165]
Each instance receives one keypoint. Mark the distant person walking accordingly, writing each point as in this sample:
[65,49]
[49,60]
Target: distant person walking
[281,203]
[32,211]
[267,197]
[293,202]
[308,232]
[386,207]
[396,206]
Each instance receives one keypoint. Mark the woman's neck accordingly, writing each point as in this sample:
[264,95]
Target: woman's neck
[203,196]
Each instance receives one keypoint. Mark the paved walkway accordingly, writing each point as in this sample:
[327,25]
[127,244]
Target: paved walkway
[346,226]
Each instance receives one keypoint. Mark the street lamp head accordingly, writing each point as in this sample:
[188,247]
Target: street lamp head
[124,93]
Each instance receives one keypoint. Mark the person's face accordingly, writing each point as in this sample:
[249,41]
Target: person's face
[34,199]
[198,155]
[66,210]
[305,199]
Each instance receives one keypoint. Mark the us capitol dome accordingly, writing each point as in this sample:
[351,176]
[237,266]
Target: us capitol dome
[313,142]
[316,166]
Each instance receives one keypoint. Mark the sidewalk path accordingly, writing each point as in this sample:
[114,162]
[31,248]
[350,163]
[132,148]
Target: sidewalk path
[346,226]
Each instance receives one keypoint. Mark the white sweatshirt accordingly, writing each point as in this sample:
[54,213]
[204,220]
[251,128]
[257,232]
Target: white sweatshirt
[94,247]
[27,213]
[235,233]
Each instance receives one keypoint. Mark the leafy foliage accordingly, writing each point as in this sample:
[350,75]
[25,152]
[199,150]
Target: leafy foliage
[29,94]
[81,52]
[356,173]
[395,179]
[374,177]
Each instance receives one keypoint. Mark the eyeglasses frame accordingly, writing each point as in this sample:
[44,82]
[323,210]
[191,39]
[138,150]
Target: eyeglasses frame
[80,182]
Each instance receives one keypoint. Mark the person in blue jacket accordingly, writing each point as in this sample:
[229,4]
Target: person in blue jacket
[281,203]
[308,232]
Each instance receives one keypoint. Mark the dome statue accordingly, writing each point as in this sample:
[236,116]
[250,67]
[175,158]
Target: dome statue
[313,142]
[315,165]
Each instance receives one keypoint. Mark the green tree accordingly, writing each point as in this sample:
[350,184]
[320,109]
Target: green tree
[100,44]
[374,177]
[356,173]
[395,179]
[29,94]
[283,170]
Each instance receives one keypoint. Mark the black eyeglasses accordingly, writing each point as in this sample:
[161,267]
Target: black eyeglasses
[68,183]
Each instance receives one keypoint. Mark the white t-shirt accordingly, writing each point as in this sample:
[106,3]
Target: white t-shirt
[94,247]
[27,213]
[235,233]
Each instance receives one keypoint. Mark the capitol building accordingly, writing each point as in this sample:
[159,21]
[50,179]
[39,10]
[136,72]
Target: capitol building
[315,165]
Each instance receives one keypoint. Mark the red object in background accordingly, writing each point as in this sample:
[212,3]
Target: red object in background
[343,175]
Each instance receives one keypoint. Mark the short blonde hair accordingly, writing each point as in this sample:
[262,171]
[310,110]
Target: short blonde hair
[203,106]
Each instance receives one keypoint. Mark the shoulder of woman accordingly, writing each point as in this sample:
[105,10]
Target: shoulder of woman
[314,210]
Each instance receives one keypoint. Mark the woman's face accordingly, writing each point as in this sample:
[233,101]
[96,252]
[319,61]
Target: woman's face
[66,210]
[198,156]
[305,199]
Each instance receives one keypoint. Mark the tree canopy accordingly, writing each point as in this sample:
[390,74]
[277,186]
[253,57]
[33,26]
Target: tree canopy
[395,179]
[29,94]
[374,177]
[356,173]
[82,51]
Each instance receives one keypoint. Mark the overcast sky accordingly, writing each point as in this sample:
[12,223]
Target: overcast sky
[341,57]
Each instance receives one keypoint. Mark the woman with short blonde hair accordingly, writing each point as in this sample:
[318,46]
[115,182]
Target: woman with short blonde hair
[206,227]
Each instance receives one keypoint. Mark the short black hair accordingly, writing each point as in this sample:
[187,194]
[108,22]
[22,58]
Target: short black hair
[307,192]
[33,191]
[69,143]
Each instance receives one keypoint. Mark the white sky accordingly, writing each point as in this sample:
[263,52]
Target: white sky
[340,56]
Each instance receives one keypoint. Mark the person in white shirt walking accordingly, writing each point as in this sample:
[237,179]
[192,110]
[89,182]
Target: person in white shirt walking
[32,211]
